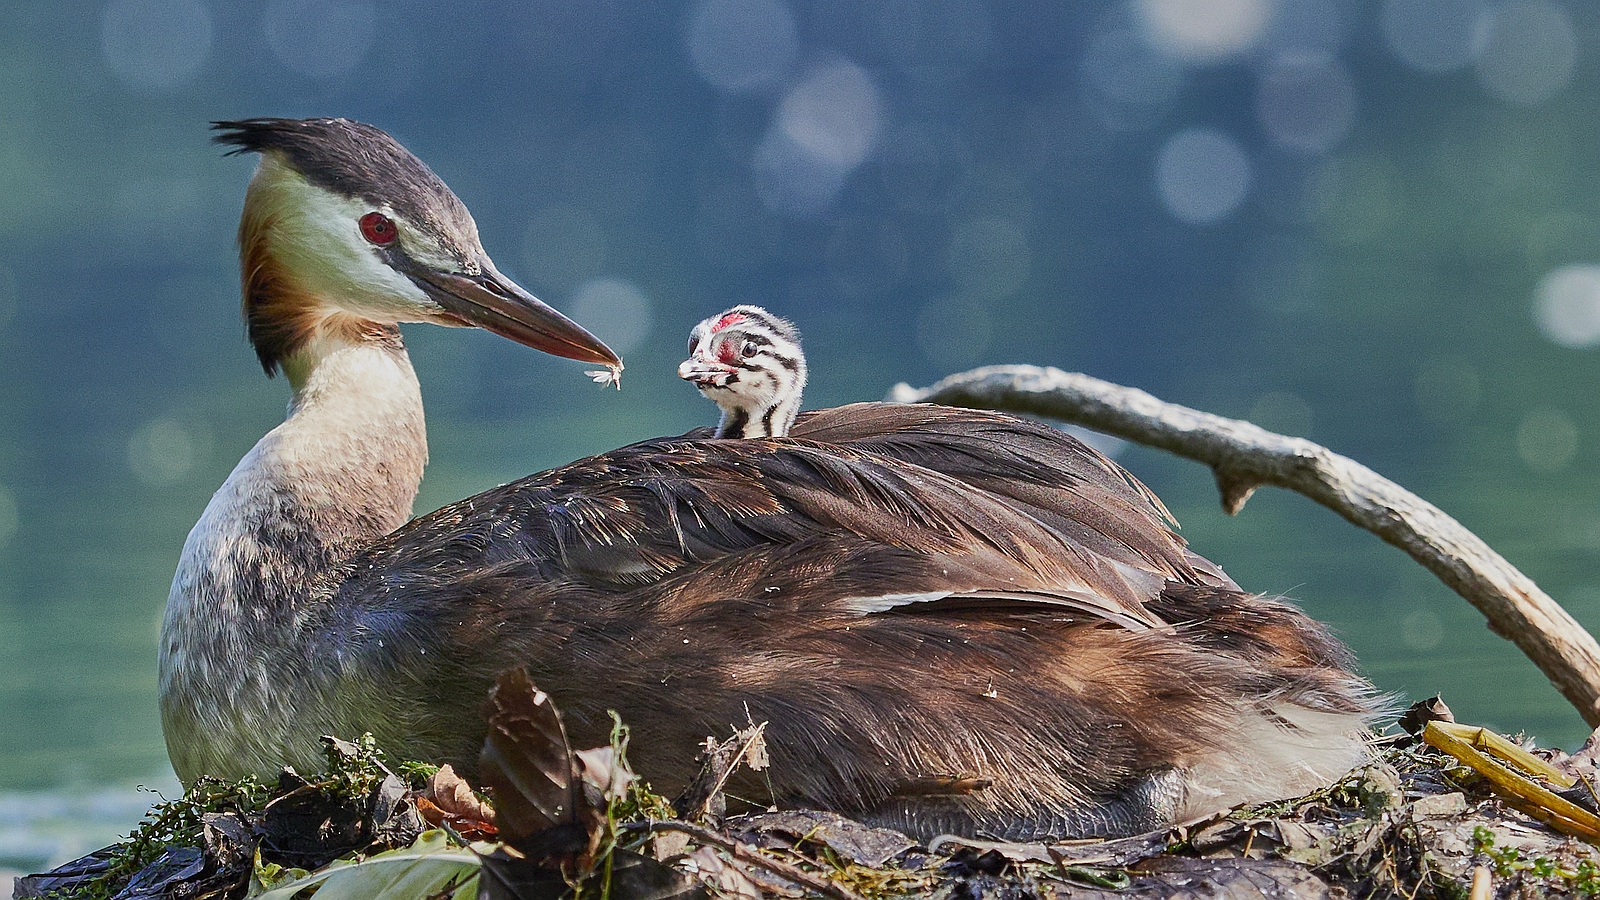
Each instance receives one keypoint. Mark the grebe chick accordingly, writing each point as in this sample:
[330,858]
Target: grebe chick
[748,362]
[903,593]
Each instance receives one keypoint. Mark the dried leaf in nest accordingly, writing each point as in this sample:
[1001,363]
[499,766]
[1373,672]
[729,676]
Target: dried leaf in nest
[637,877]
[849,839]
[1422,712]
[175,870]
[554,834]
[448,801]
[508,875]
[1113,852]
[606,772]
[718,761]
[726,875]
[621,875]
[526,761]
[229,839]
[1176,876]
[71,878]
[1585,763]
[307,826]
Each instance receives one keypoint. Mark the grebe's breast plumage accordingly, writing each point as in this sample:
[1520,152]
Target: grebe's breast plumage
[902,592]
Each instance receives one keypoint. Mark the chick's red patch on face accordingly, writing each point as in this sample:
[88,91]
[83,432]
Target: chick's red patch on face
[727,320]
[728,351]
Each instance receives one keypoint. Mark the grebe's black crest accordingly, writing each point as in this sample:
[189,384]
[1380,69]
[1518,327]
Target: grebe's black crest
[356,160]
[345,234]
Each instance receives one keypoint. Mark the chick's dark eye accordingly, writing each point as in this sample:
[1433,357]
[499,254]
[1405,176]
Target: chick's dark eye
[378,228]
[750,349]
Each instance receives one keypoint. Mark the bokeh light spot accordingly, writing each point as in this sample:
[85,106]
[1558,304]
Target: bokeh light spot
[1306,103]
[1203,175]
[792,182]
[615,310]
[740,46]
[164,451]
[1547,440]
[321,39]
[1529,52]
[834,114]
[562,247]
[1566,305]
[1433,35]
[825,127]
[1422,630]
[1205,30]
[156,45]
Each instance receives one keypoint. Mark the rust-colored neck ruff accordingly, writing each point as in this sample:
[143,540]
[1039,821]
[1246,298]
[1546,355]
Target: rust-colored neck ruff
[292,265]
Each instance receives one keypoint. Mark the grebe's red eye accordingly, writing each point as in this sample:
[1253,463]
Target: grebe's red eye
[378,228]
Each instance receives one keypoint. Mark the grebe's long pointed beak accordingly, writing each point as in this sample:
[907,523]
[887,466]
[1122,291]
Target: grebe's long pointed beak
[493,301]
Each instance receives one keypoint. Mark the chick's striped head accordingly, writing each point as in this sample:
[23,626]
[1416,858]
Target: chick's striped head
[748,361]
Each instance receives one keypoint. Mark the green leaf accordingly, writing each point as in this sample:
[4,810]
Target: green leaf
[425,869]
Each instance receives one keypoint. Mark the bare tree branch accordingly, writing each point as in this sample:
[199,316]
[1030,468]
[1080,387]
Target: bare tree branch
[1244,457]
[747,854]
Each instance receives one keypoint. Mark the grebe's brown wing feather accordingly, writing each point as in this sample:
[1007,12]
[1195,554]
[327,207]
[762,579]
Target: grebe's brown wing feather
[892,621]
[1053,476]
[636,515]
[1059,479]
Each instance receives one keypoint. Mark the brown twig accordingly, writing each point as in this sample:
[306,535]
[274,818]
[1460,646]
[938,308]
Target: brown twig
[1243,457]
[745,854]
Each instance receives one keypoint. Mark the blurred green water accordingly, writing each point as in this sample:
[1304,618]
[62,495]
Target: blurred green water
[1004,189]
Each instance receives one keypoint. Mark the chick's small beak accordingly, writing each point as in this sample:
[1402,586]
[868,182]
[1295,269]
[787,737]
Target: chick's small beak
[491,300]
[704,373]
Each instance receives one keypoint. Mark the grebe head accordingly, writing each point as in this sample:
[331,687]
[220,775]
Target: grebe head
[346,233]
[748,362]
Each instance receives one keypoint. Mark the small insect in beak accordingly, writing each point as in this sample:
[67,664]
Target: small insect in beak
[611,375]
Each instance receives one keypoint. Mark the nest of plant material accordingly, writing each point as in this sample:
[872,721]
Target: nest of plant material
[1482,817]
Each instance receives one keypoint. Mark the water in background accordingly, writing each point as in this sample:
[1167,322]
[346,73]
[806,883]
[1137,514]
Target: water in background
[1374,224]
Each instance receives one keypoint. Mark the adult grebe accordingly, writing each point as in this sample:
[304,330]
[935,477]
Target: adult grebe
[902,592]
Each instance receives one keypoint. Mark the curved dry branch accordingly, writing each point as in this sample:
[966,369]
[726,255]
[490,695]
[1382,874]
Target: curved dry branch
[1243,457]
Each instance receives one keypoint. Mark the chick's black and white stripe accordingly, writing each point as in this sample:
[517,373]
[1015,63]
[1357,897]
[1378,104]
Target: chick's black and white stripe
[748,361]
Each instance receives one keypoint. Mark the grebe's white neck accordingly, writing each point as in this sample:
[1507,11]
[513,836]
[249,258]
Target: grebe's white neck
[340,472]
